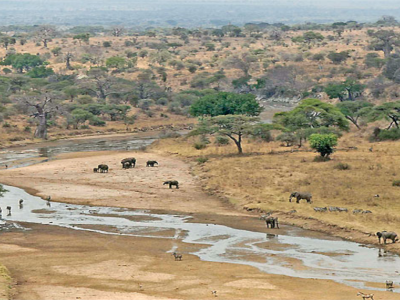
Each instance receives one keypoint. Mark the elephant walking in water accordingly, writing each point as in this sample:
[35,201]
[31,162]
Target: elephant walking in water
[387,235]
[272,221]
[299,196]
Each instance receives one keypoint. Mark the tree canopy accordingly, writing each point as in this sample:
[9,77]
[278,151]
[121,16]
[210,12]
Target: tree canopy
[224,103]
[312,113]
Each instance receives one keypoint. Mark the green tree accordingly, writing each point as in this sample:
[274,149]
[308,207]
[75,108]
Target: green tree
[349,88]
[83,37]
[116,62]
[323,143]
[312,113]
[388,111]
[354,110]
[224,103]
[338,57]
[22,62]
[80,116]
[311,36]
[235,127]
[40,72]
[7,40]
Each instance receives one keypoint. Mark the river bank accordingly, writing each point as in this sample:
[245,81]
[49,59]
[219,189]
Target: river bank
[93,261]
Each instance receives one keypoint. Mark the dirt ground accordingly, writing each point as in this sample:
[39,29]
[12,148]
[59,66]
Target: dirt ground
[48,262]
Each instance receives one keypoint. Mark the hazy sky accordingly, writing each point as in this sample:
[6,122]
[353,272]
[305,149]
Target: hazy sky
[193,12]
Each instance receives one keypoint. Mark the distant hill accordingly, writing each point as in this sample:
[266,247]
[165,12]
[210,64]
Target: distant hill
[192,13]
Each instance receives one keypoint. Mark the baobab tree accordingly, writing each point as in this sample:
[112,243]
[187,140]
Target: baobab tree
[41,107]
[45,34]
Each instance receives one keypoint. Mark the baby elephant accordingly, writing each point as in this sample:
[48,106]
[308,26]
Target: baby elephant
[387,235]
[171,183]
[95,170]
[151,163]
[299,196]
[103,168]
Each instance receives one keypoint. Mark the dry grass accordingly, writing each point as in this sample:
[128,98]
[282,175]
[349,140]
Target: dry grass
[5,283]
[266,177]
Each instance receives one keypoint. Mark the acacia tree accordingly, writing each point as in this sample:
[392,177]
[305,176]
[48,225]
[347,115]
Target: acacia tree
[350,89]
[389,111]
[354,110]
[41,108]
[235,127]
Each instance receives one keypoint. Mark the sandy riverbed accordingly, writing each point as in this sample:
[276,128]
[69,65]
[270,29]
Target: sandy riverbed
[49,262]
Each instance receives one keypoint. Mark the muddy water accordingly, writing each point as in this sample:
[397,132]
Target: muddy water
[28,155]
[289,254]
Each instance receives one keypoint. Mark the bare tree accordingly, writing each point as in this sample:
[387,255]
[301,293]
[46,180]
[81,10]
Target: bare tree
[117,31]
[45,34]
[41,107]
[68,57]
[100,83]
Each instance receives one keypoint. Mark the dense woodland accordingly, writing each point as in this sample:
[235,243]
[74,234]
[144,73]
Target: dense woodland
[340,75]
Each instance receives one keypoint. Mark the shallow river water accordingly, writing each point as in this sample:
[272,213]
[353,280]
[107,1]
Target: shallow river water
[292,253]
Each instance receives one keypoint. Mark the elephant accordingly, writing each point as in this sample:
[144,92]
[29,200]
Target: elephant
[272,221]
[131,160]
[151,163]
[299,196]
[103,168]
[127,165]
[95,170]
[171,183]
[387,235]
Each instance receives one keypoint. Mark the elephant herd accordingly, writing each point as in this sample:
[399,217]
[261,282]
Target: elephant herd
[272,222]
[130,162]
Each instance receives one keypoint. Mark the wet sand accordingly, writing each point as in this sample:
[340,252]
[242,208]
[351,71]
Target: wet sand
[49,262]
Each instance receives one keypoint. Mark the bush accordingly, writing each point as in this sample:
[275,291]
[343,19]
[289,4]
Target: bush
[27,129]
[200,145]
[106,44]
[396,183]
[323,143]
[6,125]
[221,140]
[342,166]
[384,135]
[321,159]
[96,121]
[202,160]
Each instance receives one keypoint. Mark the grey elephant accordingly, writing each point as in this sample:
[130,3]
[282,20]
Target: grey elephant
[127,165]
[387,235]
[102,168]
[272,221]
[130,160]
[299,196]
[171,183]
[151,163]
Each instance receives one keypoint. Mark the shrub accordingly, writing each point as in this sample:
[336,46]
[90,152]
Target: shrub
[6,125]
[27,129]
[106,44]
[202,160]
[342,166]
[323,143]
[199,145]
[321,159]
[396,183]
[383,135]
[221,140]
[96,121]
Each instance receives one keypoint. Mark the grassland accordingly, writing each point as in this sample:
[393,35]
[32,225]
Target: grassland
[265,176]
